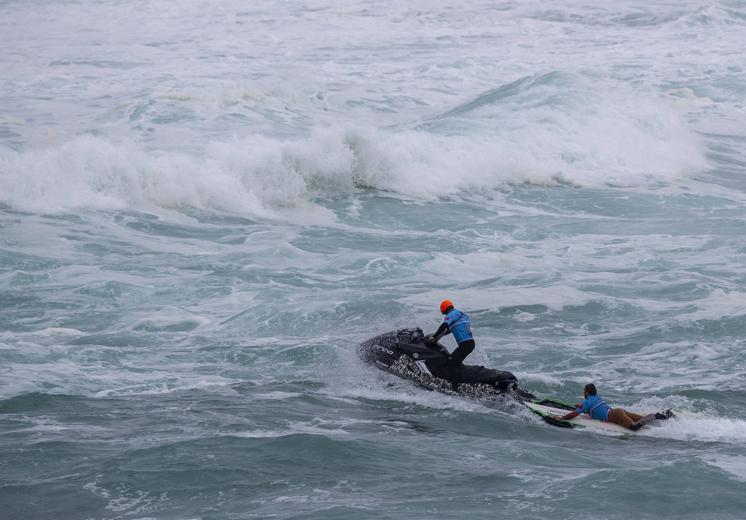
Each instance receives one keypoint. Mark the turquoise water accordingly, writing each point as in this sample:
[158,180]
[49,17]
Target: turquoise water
[205,208]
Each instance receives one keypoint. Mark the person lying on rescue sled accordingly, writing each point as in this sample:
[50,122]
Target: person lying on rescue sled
[596,407]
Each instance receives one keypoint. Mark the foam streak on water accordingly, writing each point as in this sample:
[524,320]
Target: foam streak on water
[205,207]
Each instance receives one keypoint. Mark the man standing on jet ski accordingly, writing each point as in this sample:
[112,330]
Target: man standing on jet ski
[458,323]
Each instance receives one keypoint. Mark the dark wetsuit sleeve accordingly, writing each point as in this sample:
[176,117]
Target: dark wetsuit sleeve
[442,331]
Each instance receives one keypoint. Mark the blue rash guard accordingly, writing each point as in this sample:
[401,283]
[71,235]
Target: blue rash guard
[595,407]
[459,325]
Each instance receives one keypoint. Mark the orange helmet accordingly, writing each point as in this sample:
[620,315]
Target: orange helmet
[444,305]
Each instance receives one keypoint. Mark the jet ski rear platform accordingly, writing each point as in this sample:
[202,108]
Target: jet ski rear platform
[405,353]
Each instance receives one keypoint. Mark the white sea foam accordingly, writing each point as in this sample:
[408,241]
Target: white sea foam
[275,396]
[703,428]
[258,174]
[539,378]
[161,383]
[464,115]
[719,304]
[171,319]
[691,423]
[53,331]
[554,297]
[734,465]
[48,427]
[123,498]
[293,428]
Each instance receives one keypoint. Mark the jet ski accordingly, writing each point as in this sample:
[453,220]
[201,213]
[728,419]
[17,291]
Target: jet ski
[408,354]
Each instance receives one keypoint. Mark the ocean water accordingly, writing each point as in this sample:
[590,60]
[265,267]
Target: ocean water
[206,206]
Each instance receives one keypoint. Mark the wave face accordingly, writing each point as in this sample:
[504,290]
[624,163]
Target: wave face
[605,146]
[265,122]
[205,207]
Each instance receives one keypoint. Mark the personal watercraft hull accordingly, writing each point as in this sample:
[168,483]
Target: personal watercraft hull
[406,354]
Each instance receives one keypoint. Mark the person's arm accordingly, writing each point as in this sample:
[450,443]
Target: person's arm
[579,408]
[568,416]
[443,330]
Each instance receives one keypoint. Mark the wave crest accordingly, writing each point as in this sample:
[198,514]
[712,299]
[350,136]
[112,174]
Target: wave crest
[529,131]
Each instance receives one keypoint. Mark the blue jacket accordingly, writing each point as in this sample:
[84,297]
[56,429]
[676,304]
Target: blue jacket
[595,407]
[459,324]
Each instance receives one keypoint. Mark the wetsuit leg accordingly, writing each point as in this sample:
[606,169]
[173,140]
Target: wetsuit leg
[464,349]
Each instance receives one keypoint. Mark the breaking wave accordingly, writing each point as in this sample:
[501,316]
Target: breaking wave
[549,129]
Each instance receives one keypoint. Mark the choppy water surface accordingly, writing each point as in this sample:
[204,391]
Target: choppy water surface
[204,208]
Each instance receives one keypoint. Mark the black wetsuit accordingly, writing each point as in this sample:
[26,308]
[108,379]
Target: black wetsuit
[464,348]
